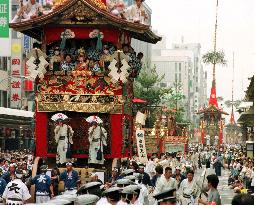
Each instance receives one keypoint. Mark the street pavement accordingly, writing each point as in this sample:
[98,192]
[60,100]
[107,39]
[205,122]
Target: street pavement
[226,193]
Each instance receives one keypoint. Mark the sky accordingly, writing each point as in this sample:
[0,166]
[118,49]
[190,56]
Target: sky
[195,19]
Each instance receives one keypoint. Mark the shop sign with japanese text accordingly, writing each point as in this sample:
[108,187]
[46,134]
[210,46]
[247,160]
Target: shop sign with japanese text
[16,81]
[141,149]
[4,28]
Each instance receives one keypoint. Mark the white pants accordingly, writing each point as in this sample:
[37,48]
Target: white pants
[61,151]
[186,201]
[42,199]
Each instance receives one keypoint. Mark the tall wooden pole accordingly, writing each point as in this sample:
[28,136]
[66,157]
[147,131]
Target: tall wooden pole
[233,83]
[215,39]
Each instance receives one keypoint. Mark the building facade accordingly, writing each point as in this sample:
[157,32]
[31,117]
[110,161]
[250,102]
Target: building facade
[4,80]
[16,122]
[140,46]
[182,64]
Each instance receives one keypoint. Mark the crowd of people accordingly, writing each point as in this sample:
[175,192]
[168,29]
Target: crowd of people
[166,179]
[31,9]
[90,58]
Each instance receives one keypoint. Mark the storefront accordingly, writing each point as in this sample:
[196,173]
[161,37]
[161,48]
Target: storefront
[16,129]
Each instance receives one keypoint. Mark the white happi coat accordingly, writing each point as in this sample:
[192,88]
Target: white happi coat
[29,10]
[143,198]
[163,184]
[150,168]
[16,189]
[164,163]
[65,131]
[189,189]
[133,13]
[94,143]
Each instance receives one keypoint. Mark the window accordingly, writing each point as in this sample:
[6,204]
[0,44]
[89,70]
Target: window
[175,65]
[180,67]
[3,98]
[180,77]
[3,63]
[196,89]
[176,77]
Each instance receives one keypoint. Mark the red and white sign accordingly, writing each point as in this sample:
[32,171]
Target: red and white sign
[16,62]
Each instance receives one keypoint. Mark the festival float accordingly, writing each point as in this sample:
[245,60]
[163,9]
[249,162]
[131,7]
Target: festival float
[212,117]
[167,135]
[85,67]
[212,122]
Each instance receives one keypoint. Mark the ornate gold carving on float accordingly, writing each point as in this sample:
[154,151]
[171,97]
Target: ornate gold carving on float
[57,98]
[57,3]
[99,4]
[78,82]
[80,107]
[79,12]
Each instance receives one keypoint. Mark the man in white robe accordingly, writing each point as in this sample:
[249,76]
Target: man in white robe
[97,139]
[137,13]
[165,182]
[16,192]
[28,10]
[188,190]
[63,137]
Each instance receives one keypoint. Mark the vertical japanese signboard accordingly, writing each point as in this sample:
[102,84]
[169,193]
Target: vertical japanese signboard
[4,28]
[16,62]
[141,149]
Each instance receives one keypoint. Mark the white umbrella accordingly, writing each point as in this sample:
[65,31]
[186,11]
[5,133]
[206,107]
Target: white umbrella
[94,118]
[59,116]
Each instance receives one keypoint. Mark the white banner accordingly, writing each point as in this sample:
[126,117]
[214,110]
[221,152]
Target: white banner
[141,148]
[16,82]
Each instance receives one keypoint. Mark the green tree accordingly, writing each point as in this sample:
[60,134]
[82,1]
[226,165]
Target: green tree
[214,58]
[174,101]
[147,86]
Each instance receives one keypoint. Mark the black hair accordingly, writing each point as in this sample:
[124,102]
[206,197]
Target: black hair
[114,196]
[243,199]
[213,180]
[135,165]
[168,169]
[159,169]
[95,190]
[140,54]
[70,55]
[190,171]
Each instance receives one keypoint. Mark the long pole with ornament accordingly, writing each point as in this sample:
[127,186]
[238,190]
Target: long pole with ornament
[213,98]
[215,39]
